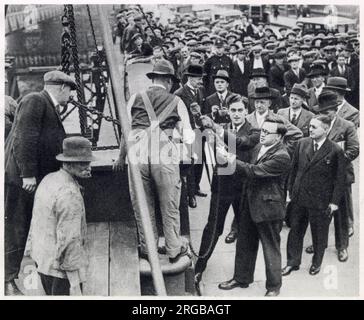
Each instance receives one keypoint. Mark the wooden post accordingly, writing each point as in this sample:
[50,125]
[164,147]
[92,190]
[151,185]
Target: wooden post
[116,79]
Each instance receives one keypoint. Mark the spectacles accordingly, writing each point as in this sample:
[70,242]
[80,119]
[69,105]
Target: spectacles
[266,132]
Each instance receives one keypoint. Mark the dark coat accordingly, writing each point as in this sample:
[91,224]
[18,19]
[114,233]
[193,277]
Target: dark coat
[266,177]
[290,78]
[344,133]
[34,141]
[239,81]
[276,79]
[303,120]
[244,140]
[213,100]
[348,75]
[317,179]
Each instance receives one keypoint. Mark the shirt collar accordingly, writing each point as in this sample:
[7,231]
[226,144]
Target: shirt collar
[264,148]
[297,113]
[319,144]
[238,127]
[340,106]
[222,94]
[190,87]
[54,101]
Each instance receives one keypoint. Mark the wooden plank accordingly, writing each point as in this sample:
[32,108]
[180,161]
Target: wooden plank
[124,261]
[98,268]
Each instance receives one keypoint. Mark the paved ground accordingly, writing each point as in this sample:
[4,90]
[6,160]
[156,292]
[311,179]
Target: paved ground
[336,279]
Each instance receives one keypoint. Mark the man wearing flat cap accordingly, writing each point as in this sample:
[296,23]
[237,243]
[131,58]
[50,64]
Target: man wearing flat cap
[295,75]
[58,227]
[219,61]
[30,149]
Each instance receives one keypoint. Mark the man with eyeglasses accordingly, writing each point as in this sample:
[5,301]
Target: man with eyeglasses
[263,207]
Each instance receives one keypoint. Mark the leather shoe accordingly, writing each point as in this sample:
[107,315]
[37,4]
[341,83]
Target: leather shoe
[272,293]
[192,203]
[201,194]
[342,255]
[231,237]
[231,284]
[351,231]
[11,289]
[314,270]
[288,269]
[184,252]
[309,249]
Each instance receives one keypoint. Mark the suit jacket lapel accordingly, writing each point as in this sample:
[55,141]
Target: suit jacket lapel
[269,152]
[320,153]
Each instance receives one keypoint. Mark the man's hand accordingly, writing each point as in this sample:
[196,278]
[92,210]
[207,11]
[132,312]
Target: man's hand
[75,291]
[195,109]
[214,109]
[119,164]
[29,184]
[331,209]
[223,112]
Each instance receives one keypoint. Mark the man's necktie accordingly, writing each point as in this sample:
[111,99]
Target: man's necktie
[294,119]
[315,147]
[234,130]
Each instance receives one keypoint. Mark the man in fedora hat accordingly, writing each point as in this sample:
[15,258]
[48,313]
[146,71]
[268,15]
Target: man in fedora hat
[277,71]
[262,103]
[191,95]
[315,186]
[219,61]
[215,105]
[342,132]
[259,79]
[345,109]
[295,113]
[317,76]
[160,115]
[295,75]
[58,226]
[30,149]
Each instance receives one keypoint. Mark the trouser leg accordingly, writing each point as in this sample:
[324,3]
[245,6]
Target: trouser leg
[299,223]
[349,205]
[237,209]
[269,234]
[149,190]
[18,213]
[246,249]
[54,286]
[341,220]
[168,185]
[219,207]
[319,224]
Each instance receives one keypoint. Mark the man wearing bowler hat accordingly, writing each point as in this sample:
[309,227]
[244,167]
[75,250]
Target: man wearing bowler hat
[159,120]
[342,132]
[30,149]
[317,76]
[58,227]
[296,113]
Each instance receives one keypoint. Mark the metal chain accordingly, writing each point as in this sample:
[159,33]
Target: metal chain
[65,43]
[103,78]
[93,111]
[86,132]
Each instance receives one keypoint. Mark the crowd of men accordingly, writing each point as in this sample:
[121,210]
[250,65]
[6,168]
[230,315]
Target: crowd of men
[290,103]
[283,110]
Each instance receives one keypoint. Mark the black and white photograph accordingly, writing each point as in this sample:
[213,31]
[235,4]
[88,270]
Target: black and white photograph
[181,150]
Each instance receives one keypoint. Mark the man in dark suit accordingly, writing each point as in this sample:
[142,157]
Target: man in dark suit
[215,104]
[316,184]
[295,113]
[260,79]
[295,75]
[344,134]
[257,61]
[240,76]
[317,76]
[277,71]
[343,70]
[263,208]
[345,110]
[240,137]
[30,150]
[190,94]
